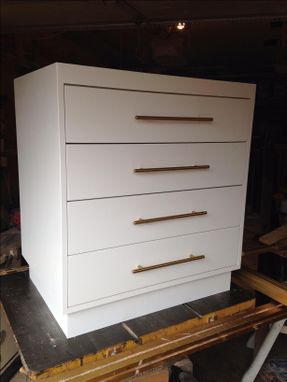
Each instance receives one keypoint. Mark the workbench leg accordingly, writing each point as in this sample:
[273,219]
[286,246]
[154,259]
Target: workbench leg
[265,348]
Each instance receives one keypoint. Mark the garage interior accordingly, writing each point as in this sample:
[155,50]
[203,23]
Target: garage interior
[240,41]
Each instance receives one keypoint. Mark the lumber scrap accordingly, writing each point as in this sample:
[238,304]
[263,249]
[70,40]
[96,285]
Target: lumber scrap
[9,271]
[161,375]
[261,283]
[273,237]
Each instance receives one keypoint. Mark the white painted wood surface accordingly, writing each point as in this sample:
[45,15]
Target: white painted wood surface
[122,79]
[116,277]
[42,182]
[105,115]
[68,103]
[97,171]
[104,223]
[86,317]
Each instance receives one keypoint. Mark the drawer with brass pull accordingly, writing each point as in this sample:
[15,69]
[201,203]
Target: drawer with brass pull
[96,171]
[110,222]
[139,268]
[120,116]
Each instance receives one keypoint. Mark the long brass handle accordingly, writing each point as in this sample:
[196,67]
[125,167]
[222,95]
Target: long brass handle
[179,168]
[170,217]
[169,263]
[166,118]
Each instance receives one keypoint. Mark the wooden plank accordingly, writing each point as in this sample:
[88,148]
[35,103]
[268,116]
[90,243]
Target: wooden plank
[220,301]
[155,322]
[274,236]
[9,271]
[41,342]
[156,376]
[44,349]
[271,288]
[197,322]
[173,347]
[154,325]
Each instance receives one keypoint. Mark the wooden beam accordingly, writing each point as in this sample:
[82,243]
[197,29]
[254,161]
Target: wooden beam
[254,280]
[274,236]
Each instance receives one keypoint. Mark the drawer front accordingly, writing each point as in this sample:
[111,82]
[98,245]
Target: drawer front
[107,115]
[103,170]
[103,223]
[219,248]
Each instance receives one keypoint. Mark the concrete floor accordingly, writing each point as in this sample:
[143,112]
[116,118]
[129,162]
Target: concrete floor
[225,362]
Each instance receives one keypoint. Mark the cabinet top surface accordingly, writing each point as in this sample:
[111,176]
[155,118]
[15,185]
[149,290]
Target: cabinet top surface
[79,75]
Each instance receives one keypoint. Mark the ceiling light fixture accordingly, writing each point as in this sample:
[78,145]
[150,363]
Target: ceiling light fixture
[180,26]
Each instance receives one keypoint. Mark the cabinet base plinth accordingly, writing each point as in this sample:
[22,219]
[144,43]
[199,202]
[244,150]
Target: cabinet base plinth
[122,310]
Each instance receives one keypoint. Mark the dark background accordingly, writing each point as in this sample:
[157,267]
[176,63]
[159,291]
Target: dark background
[227,40]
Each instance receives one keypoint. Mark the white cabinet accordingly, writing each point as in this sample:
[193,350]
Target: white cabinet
[132,189]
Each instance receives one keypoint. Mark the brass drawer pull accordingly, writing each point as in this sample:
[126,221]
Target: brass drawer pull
[180,119]
[161,265]
[180,168]
[170,217]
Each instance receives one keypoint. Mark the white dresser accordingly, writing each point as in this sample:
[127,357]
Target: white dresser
[132,189]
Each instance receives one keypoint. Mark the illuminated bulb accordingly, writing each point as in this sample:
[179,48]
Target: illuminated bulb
[180,26]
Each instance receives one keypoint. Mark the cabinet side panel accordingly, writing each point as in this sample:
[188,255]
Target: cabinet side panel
[245,182]
[41,200]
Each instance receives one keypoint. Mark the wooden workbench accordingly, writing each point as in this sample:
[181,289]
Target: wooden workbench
[128,348]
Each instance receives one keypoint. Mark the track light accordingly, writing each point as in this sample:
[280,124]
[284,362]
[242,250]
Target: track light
[180,26]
